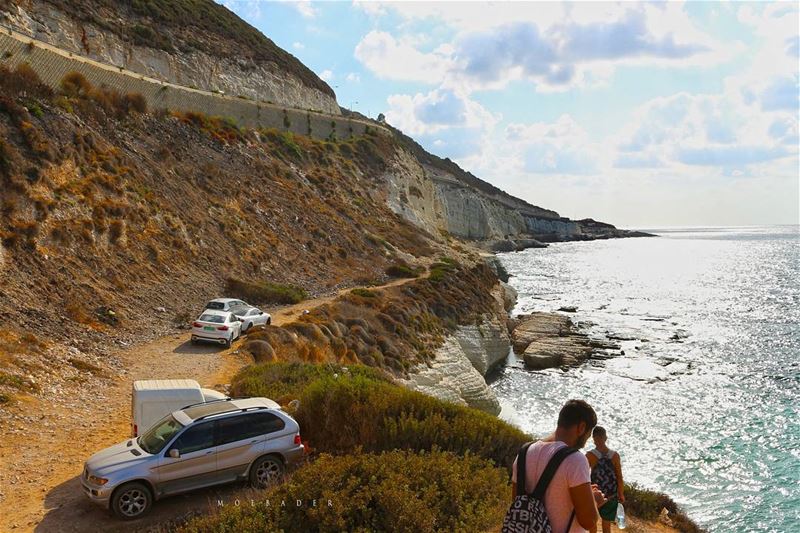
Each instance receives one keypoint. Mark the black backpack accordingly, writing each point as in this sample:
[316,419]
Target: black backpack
[527,513]
[604,475]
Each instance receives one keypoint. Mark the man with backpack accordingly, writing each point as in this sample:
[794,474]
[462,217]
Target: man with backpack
[607,475]
[552,485]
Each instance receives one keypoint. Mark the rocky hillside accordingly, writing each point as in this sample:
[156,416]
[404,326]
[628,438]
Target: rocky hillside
[196,43]
[107,213]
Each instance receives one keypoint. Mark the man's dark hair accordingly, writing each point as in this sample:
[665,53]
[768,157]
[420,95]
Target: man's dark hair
[576,411]
[599,431]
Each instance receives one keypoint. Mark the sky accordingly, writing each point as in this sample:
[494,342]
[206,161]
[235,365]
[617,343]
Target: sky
[640,114]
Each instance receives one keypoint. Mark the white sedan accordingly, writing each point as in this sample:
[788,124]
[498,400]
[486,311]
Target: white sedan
[216,326]
[253,317]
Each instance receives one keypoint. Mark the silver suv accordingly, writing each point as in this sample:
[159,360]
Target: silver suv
[198,446]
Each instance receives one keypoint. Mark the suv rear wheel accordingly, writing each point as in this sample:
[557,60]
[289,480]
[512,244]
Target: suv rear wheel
[131,501]
[266,471]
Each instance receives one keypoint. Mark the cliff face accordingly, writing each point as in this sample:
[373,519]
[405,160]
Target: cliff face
[458,371]
[182,51]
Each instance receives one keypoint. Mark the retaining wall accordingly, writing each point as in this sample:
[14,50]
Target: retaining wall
[52,64]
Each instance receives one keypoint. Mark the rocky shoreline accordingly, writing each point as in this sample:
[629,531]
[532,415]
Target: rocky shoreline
[548,340]
[591,231]
[543,340]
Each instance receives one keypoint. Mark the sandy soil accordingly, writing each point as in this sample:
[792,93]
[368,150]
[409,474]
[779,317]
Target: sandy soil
[43,452]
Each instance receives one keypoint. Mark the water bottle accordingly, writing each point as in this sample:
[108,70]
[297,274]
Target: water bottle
[620,516]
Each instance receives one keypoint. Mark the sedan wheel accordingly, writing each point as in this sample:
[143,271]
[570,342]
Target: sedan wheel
[266,472]
[131,501]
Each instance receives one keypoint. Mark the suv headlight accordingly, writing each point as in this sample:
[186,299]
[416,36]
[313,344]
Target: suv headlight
[97,480]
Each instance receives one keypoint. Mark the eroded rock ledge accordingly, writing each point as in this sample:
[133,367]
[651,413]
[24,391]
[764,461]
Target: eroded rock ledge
[457,372]
[547,340]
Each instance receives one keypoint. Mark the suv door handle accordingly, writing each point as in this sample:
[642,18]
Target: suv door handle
[209,452]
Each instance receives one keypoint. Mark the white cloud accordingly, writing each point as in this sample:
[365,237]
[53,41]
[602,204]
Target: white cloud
[353,77]
[398,60]
[297,45]
[327,75]
[304,7]
[456,125]
[720,131]
[564,48]
[562,147]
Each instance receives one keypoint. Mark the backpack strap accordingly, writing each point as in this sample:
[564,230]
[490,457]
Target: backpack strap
[521,456]
[550,471]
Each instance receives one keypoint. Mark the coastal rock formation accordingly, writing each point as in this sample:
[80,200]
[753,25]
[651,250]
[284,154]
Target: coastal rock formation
[485,345]
[547,340]
[452,377]
[458,370]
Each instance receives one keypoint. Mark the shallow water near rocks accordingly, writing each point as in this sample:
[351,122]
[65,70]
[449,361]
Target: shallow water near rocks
[704,403]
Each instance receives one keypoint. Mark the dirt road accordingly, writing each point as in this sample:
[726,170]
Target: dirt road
[43,454]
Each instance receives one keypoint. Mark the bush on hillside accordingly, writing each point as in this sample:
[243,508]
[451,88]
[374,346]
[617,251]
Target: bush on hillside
[223,129]
[647,504]
[402,270]
[394,491]
[22,81]
[76,87]
[356,409]
[284,382]
[265,291]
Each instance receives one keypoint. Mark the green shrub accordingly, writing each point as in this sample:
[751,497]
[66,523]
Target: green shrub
[363,293]
[440,270]
[395,491]
[284,382]
[265,291]
[340,414]
[647,505]
[402,271]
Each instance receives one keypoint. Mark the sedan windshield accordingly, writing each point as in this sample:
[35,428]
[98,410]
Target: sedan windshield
[215,305]
[216,319]
[159,435]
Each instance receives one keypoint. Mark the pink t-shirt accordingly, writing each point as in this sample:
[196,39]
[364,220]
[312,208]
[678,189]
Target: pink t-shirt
[573,471]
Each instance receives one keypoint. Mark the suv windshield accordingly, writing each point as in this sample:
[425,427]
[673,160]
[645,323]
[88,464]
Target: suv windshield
[159,435]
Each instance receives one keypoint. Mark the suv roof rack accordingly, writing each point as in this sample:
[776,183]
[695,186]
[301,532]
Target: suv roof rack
[242,410]
[228,399]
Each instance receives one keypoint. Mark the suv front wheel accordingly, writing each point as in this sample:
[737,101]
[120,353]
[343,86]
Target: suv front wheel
[266,471]
[131,501]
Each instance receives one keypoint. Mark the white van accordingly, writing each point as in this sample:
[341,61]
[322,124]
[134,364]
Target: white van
[153,399]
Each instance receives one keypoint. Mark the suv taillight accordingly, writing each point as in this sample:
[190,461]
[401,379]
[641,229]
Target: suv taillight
[297,439]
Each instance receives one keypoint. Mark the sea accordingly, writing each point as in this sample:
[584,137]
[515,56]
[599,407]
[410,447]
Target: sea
[704,403]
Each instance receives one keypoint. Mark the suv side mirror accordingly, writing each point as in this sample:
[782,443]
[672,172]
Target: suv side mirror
[174,453]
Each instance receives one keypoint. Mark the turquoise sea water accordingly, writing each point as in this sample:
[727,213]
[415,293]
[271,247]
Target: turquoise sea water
[705,403]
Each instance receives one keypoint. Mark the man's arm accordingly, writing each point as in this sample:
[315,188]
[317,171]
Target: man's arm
[585,503]
[592,459]
[620,483]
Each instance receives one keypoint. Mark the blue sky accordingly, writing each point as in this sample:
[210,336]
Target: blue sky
[640,114]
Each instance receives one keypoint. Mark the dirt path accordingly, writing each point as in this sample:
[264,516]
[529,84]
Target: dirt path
[44,450]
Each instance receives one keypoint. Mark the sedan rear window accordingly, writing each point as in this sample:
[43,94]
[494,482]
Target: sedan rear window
[216,319]
[215,305]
